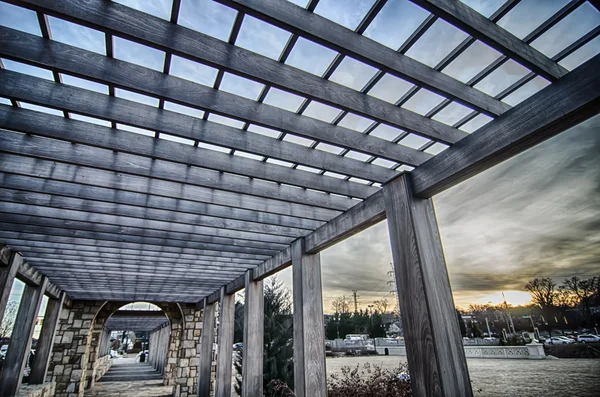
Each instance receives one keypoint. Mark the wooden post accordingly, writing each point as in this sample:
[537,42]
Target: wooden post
[46,340]
[309,332]
[20,342]
[436,357]
[225,344]
[206,347]
[8,271]
[254,313]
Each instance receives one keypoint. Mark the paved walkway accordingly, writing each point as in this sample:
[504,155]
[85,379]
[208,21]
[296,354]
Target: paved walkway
[126,378]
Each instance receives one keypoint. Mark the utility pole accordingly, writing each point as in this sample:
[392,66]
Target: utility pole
[355,301]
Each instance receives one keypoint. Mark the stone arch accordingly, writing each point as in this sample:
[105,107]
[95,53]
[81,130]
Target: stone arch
[176,320]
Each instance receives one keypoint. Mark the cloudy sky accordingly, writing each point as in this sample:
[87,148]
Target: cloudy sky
[535,215]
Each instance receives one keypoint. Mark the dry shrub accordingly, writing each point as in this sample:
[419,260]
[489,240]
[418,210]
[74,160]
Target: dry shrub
[370,381]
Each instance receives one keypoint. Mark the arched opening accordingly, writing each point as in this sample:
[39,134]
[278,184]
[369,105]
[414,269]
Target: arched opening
[134,341]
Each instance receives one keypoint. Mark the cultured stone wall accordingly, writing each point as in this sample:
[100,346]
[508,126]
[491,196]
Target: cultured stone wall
[45,390]
[75,364]
[70,353]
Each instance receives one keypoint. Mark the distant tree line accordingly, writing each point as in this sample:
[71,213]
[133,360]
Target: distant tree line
[343,322]
[555,302]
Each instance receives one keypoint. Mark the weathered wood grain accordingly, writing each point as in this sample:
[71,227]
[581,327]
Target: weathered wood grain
[185,155]
[206,350]
[561,105]
[83,229]
[7,277]
[53,239]
[309,330]
[225,344]
[283,234]
[337,37]
[86,176]
[478,26]
[149,30]
[46,340]
[436,357]
[67,189]
[254,313]
[20,343]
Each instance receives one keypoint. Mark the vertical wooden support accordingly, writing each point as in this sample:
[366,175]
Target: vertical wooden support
[8,271]
[436,357]
[20,341]
[225,344]
[46,340]
[309,332]
[206,348]
[254,313]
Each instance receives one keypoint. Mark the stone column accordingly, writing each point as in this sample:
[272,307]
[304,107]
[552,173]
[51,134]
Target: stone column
[46,340]
[254,313]
[70,354]
[9,265]
[20,341]
[436,356]
[186,378]
[206,350]
[309,332]
[225,344]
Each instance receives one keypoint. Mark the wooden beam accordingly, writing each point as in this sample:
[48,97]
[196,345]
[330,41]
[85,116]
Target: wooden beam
[436,356]
[18,351]
[149,30]
[309,330]
[7,277]
[107,159]
[78,100]
[49,170]
[558,107]
[356,219]
[478,26]
[300,21]
[225,344]
[133,77]
[125,234]
[91,251]
[84,244]
[206,350]
[254,313]
[284,234]
[216,271]
[136,226]
[118,140]
[67,189]
[46,340]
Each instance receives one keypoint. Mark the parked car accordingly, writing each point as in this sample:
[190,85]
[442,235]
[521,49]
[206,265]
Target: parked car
[588,338]
[559,340]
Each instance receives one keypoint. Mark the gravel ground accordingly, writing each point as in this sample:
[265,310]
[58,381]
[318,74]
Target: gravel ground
[502,377]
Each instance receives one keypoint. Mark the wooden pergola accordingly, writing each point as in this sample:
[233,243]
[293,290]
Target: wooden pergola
[199,209]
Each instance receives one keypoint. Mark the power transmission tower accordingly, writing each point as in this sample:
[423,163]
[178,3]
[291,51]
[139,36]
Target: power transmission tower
[355,300]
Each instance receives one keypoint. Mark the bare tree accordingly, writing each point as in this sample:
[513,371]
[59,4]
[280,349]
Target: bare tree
[381,305]
[8,321]
[542,291]
[341,304]
[583,289]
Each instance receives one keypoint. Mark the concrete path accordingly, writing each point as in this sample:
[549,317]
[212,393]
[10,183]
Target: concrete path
[126,378]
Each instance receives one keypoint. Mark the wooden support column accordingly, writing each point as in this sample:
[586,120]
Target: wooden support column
[436,357]
[254,313]
[20,342]
[309,332]
[206,345]
[225,344]
[8,271]
[46,340]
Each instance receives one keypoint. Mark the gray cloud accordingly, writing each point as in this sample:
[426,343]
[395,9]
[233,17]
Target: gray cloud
[536,215]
